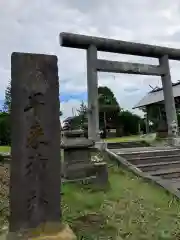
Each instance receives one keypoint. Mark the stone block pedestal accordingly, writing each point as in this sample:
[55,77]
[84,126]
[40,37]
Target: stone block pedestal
[101,145]
[77,157]
[78,164]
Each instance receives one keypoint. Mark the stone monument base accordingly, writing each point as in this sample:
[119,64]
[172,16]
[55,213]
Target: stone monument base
[64,234]
[45,232]
[101,145]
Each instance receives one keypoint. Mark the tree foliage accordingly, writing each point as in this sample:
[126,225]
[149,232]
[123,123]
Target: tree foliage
[130,122]
[109,108]
[5,126]
[110,115]
[82,114]
[7,101]
[5,131]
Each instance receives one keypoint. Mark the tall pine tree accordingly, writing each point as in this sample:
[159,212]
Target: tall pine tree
[82,112]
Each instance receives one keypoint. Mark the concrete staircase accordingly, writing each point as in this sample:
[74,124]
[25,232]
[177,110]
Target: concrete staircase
[129,144]
[162,163]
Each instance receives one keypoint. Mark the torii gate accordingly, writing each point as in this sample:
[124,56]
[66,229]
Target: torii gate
[94,44]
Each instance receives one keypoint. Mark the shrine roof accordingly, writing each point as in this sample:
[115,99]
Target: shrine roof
[157,96]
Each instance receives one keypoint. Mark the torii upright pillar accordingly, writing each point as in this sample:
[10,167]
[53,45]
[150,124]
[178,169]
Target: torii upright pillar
[170,108]
[92,84]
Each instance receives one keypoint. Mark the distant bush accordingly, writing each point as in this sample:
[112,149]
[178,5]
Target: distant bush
[5,131]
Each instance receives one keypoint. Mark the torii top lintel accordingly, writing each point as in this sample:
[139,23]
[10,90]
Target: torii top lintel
[117,46]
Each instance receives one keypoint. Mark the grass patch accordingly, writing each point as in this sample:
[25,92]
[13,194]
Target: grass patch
[131,209]
[124,139]
[5,149]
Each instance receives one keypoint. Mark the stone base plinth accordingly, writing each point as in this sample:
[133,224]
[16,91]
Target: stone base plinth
[101,145]
[48,232]
[65,234]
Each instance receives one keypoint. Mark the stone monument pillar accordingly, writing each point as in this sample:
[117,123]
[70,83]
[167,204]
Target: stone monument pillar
[35,178]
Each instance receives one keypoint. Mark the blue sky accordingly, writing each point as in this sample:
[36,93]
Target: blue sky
[65,97]
[1,104]
[34,26]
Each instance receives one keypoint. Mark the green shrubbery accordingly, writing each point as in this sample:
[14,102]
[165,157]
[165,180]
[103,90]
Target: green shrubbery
[5,132]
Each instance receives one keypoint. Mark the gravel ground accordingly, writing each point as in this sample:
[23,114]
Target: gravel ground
[4,194]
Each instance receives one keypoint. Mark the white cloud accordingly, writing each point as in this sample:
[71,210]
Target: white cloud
[34,26]
[70,108]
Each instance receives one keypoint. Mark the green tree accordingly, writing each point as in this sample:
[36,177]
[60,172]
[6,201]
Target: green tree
[109,109]
[7,101]
[5,131]
[110,115]
[82,109]
[107,104]
[129,122]
[82,113]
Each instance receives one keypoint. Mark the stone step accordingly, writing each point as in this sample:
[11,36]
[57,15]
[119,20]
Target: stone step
[176,183]
[116,145]
[171,176]
[158,166]
[167,173]
[145,154]
[144,149]
[154,159]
